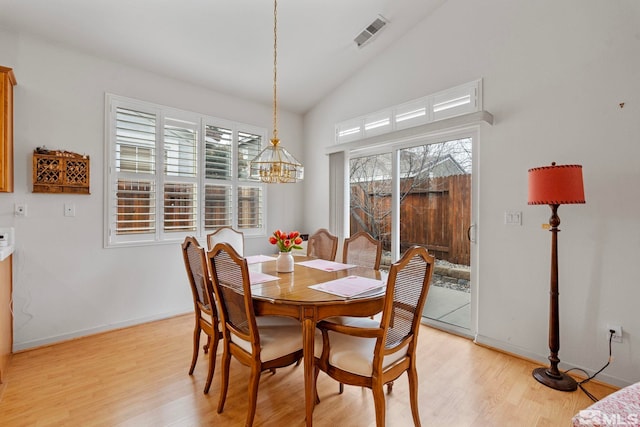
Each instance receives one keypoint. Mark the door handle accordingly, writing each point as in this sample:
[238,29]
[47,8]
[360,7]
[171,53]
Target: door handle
[469,233]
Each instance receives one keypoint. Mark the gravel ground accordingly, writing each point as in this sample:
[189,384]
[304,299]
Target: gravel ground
[448,282]
[451,282]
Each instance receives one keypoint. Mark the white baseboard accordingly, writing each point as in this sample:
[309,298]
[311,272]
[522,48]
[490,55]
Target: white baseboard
[542,358]
[28,345]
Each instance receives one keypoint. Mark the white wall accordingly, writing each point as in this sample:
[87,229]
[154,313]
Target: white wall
[65,283]
[554,75]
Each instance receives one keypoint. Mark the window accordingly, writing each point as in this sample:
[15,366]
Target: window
[452,102]
[173,173]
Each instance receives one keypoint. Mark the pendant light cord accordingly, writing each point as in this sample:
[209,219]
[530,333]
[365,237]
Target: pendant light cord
[275,69]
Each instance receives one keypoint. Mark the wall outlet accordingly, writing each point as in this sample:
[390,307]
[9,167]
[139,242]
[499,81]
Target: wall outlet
[617,334]
[20,209]
[69,209]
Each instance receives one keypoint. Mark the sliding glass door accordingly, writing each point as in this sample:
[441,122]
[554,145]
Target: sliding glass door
[421,194]
[435,212]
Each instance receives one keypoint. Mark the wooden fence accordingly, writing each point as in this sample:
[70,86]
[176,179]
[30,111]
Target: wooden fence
[436,215]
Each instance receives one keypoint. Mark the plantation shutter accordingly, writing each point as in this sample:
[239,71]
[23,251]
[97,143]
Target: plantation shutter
[173,173]
[250,204]
[218,152]
[249,146]
[218,205]
[218,165]
[135,164]
[180,169]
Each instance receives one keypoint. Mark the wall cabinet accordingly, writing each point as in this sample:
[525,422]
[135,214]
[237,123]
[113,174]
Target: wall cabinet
[7,82]
[60,172]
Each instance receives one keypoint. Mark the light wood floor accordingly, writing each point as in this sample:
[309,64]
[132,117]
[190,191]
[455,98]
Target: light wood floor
[138,377]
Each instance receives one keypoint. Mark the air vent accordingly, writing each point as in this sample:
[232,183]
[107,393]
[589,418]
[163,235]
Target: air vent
[371,30]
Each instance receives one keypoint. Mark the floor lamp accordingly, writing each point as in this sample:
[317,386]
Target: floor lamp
[555,185]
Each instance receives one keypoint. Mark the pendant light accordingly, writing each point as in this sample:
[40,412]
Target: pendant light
[275,164]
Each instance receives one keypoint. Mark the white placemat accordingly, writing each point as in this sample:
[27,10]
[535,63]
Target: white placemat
[351,286]
[325,265]
[256,277]
[255,259]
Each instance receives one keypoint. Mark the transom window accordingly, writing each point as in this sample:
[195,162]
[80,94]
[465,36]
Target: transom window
[172,173]
[452,102]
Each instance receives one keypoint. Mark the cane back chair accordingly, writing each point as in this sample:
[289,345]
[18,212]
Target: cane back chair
[322,244]
[206,315]
[261,343]
[370,353]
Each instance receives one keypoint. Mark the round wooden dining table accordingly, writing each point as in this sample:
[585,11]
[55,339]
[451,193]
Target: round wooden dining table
[291,296]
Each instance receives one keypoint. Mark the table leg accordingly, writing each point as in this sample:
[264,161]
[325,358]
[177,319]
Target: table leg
[308,334]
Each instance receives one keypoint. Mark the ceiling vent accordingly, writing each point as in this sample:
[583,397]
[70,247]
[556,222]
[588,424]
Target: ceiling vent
[371,30]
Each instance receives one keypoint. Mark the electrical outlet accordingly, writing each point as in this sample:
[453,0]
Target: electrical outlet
[20,209]
[617,334]
[69,209]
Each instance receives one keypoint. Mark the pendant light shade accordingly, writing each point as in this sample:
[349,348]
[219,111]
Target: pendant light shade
[274,164]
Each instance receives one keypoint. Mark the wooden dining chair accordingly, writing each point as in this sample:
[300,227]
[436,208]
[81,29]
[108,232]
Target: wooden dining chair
[261,343]
[322,244]
[371,353]
[363,250]
[227,235]
[206,314]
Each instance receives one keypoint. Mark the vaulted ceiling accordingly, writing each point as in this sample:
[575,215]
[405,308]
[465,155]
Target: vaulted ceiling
[225,45]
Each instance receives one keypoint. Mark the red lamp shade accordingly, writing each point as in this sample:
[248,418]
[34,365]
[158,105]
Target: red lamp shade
[556,185]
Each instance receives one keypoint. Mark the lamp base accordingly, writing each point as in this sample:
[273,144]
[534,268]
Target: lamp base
[563,382]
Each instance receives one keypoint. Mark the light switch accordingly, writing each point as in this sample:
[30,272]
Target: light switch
[513,217]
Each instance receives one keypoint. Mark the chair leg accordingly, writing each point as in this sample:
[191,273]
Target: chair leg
[207,345]
[378,401]
[224,383]
[212,364]
[316,371]
[254,381]
[389,387]
[341,388]
[413,394]
[196,349]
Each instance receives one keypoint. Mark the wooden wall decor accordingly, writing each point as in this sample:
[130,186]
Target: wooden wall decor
[56,171]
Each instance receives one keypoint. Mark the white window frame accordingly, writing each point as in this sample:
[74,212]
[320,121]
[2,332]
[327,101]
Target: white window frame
[453,102]
[199,121]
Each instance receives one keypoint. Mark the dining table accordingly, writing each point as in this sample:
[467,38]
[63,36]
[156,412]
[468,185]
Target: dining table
[292,295]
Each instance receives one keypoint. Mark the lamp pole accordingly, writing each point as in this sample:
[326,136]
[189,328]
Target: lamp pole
[551,376]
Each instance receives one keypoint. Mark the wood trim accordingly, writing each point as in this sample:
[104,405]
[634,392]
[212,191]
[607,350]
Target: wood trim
[6,315]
